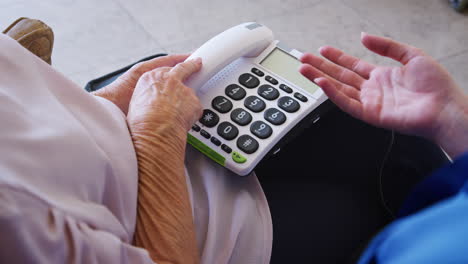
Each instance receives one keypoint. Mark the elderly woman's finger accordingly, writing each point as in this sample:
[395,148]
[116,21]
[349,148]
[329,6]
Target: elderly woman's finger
[165,61]
[184,69]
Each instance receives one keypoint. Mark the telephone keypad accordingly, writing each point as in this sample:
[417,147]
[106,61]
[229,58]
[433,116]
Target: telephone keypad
[235,92]
[241,116]
[275,116]
[268,92]
[288,104]
[254,104]
[248,80]
[247,144]
[228,131]
[261,129]
[221,104]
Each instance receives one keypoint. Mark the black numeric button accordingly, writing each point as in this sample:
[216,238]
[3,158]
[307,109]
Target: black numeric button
[196,127]
[268,92]
[241,116]
[288,104]
[209,118]
[221,104]
[254,104]
[248,80]
[235,92]
[247,144]
[227,131]
[261,129]
[275,116]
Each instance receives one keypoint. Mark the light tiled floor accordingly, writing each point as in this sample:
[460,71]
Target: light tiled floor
[96,37]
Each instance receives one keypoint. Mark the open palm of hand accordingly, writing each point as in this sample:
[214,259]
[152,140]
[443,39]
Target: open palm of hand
[411,98]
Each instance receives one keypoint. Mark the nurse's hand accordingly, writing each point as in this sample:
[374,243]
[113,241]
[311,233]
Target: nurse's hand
[120,91]
[418,98]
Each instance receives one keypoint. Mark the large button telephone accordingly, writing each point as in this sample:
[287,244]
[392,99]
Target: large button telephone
[253,95]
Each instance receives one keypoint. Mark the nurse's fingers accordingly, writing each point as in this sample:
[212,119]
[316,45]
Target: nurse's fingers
[313,73]
[184,69]
[340,98]
[335,71]
[389,48]
[349,62]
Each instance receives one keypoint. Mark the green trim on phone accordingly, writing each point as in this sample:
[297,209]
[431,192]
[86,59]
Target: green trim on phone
[206,150]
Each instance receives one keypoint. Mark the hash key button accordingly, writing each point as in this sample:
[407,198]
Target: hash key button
[248,80]
[254,103]
[209,118]
[235,91]
[261,129]
[221,104]
[247,144]
[275,116]
[228,131]
[288,104]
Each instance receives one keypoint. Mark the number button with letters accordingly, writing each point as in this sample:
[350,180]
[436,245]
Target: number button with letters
[254,104]
[221,104]
[228,131]
[235,92]
[241,116]
[275,116]
[248,80]
[261,129]
[247,144]
[288,104]
[209,118]
[268,92]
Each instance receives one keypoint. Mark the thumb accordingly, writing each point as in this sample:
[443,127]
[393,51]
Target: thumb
[387,47]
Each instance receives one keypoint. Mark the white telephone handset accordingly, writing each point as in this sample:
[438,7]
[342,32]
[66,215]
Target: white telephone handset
[244,40]
[253,97]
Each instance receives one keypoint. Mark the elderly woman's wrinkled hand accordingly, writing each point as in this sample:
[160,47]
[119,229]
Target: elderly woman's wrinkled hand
[161,103]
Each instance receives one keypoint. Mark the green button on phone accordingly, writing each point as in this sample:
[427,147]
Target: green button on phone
[238,158]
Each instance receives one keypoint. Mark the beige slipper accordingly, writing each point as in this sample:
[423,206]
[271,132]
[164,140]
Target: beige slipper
[34,35]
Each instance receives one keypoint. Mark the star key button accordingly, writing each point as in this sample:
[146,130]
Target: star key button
[209,118]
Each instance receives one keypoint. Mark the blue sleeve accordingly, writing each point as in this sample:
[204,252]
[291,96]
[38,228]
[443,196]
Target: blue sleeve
[433,223]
